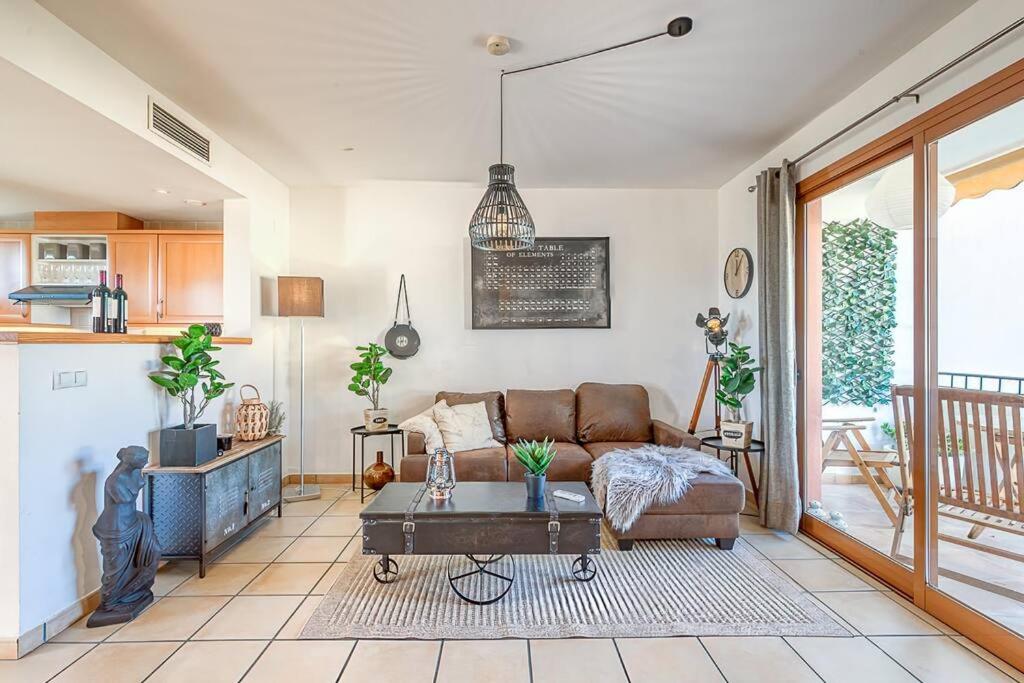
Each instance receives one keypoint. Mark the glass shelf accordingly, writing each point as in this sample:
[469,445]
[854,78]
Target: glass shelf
[73,260]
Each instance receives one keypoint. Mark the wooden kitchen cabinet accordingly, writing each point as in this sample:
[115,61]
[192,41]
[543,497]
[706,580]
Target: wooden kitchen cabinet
[15,250]
[135,257]
[191,278]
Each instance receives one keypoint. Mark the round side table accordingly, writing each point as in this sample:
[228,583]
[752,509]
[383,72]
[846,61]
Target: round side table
[363,433]
[755,446]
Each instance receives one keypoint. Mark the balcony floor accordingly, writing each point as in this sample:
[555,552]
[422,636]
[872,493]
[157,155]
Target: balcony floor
[988,583]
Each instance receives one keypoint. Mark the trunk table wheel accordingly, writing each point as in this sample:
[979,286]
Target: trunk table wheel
[584,568]
[385,570]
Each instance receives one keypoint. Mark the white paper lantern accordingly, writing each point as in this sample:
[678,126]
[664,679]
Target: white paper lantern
[891,202]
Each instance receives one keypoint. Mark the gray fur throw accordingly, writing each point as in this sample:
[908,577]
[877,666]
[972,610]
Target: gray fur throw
[628,482]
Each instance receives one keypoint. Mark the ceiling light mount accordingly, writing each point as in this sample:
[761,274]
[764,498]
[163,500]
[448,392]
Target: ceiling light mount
[498,45]
[679,26]
[501,222]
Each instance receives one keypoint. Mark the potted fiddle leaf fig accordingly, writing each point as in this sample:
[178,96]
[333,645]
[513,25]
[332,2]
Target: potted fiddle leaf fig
[737,381]
[536,458]
[193,379]
[370,375]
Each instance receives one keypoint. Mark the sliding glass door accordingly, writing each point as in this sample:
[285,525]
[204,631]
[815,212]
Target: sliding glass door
[858,309]
[976,395]
[910,310]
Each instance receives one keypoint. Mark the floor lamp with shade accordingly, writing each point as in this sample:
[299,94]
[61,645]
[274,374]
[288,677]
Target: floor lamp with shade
[300,297]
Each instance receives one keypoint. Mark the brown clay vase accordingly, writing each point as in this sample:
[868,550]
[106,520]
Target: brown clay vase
[378,474]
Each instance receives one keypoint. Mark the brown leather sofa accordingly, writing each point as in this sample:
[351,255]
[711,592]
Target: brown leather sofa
[585,424]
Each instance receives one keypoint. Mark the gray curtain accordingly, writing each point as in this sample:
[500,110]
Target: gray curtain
[776,242]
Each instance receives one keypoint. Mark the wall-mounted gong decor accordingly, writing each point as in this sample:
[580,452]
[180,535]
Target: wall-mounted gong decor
[402,340]
[562,282]
[739,273]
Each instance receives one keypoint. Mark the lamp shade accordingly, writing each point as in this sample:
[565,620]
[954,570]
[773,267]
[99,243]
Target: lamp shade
[891,201]
[501,221]
[300,296]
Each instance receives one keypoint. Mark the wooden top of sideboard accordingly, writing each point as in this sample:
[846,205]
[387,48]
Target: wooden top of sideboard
[245,448]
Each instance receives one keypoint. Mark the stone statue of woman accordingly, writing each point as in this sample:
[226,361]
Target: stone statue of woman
[129,546]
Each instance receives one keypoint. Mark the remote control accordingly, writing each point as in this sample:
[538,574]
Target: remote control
[568,495]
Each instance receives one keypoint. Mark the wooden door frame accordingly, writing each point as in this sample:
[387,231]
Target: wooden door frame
[26,267]
[992,94]
[808,322]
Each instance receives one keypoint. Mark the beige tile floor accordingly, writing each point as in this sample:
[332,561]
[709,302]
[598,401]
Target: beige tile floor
[242,623]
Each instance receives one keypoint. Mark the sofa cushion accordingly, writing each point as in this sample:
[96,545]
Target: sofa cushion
[711,494]
[482,464]
[599,449]
[493,401]
[464,427]
[424,426]
[416,443]
[540,415]
[571,463]
[612,412]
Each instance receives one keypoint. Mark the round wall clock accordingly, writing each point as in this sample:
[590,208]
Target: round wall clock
[739,273]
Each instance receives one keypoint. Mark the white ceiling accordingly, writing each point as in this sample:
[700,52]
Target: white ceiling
[409,85]
[59,155]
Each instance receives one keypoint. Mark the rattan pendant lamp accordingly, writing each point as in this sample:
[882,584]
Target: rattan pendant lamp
[501,221]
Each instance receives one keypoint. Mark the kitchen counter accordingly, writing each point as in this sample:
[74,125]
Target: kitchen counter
[39,337]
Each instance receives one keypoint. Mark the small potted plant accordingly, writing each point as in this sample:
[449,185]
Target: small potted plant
[536,458]
[737,381]
[194,371]
[370,375]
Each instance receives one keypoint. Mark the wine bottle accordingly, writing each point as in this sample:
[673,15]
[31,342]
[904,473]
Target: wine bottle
[100,304]
[119,307]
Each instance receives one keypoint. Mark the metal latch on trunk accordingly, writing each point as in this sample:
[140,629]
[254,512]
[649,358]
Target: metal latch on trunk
[554,526]
[409,529]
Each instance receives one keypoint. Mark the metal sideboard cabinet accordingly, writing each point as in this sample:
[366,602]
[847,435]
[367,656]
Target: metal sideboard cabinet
[199,512]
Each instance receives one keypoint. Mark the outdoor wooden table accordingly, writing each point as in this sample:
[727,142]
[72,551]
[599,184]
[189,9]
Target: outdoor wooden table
[846,434]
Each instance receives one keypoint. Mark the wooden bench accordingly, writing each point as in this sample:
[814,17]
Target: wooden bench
[979,464]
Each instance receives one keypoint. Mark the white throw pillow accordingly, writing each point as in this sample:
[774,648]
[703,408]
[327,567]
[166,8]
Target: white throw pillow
[464,427]
[424,424]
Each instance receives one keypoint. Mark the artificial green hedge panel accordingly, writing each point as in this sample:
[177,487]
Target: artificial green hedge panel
[859,312]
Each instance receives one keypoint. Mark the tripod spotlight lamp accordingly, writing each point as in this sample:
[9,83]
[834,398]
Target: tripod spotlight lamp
[715,333]
[301,297]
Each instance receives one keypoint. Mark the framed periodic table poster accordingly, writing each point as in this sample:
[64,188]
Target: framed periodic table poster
[563,282]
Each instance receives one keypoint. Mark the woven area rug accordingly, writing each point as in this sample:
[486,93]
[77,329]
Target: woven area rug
[660,588]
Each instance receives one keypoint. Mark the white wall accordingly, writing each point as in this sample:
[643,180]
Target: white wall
[9,494]
[69,442]
[360,240]
[737,212]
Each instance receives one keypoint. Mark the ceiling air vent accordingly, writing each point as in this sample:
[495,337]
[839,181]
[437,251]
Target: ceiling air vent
[169,126]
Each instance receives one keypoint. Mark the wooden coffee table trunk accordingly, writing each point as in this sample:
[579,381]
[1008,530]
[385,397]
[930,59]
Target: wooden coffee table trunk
[485,521]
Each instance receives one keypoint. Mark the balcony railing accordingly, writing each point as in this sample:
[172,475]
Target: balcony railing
[981,382]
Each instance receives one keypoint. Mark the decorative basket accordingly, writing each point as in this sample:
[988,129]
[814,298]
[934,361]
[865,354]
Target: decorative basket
[252,418]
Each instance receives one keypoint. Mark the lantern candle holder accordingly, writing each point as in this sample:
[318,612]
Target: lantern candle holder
[440,474]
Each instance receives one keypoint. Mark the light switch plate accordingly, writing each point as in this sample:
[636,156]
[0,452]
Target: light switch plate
[67,379]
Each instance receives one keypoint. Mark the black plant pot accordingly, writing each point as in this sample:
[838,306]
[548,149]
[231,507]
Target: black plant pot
[180,447]
[535,486]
